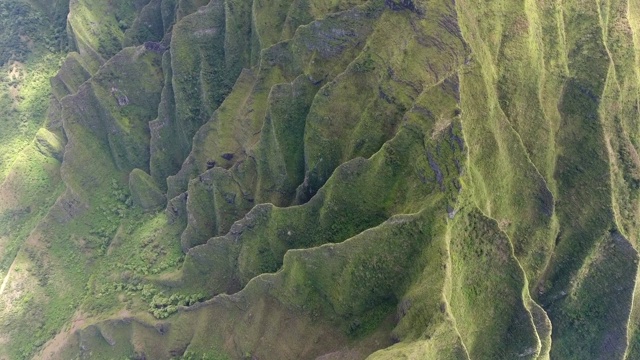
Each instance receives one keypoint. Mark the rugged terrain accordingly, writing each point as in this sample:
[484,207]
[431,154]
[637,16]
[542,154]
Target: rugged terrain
[319,179]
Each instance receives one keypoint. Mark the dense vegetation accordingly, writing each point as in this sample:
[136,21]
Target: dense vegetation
[193,179]
[23,27]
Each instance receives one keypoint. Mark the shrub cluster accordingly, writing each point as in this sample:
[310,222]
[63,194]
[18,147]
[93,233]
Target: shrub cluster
[21,25]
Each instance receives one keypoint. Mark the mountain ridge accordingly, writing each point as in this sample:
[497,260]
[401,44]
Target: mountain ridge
[385,179]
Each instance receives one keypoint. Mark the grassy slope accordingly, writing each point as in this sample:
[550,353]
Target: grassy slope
[568,148]
[31,146]
[505,132]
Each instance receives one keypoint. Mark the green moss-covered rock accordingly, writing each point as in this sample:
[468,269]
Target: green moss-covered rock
[148,26]
[49,144]
[144,192]
[71,75]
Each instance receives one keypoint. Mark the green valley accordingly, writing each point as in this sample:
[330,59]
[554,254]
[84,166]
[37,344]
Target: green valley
[319,179]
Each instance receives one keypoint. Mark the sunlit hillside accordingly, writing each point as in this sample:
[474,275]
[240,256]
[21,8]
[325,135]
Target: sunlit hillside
[315,179]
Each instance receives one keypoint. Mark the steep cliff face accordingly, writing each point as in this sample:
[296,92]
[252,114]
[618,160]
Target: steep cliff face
[301,179]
